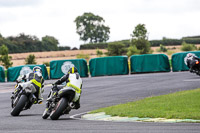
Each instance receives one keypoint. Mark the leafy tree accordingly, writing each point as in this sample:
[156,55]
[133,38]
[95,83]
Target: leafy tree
[50,43]
[140,32]
[25,43]
[91,27]
[115,49]
[139,41]
[30,59]
[5,59]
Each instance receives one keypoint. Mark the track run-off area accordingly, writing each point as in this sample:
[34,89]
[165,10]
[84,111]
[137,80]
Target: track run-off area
[101,92]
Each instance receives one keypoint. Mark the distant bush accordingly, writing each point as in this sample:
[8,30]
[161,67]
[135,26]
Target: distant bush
[115,49]
[142,45]
[162,48]
[74,48]
[132,50]
[30,59]
[99,53]
[188,47]
[60,48]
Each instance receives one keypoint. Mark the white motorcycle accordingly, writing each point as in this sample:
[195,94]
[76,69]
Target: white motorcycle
[23,98]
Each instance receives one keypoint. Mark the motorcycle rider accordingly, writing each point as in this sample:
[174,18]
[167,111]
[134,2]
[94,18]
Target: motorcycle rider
[33,80]
[189,61]
[73,80]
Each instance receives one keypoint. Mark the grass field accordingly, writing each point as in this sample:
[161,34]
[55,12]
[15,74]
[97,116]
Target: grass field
[179,105]
[41,57]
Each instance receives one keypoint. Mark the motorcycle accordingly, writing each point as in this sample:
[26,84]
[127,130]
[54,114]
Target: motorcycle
[60,103]
[195,66]
[23,98]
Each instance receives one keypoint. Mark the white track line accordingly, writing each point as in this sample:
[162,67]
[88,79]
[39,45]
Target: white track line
[75,116]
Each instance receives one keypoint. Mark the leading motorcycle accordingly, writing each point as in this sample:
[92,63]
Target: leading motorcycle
[23,98]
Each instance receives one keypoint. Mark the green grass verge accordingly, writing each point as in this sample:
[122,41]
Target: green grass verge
[179,105]
[5,73]
[170,63]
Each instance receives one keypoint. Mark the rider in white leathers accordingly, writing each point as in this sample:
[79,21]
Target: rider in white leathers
[73,80]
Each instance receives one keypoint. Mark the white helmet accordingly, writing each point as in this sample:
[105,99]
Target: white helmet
[37,69]
[189,55]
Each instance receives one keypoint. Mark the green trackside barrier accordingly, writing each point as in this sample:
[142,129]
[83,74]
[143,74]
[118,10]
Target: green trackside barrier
[58,68]
[14,72]
[178,63]
[113,65]
[2,74]
[149,63]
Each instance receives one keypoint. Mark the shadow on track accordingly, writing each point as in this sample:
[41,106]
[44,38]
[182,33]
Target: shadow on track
[25,115]
[62,119]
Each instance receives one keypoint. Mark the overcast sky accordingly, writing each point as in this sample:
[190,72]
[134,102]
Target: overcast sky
[163,18]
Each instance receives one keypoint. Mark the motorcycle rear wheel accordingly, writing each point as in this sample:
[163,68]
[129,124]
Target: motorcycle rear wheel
[19,106]
[60,107]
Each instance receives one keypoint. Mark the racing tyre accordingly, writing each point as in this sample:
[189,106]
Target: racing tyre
[19,106]
[45,114]
[59,109]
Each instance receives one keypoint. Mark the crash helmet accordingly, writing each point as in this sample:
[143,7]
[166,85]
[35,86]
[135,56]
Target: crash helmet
[37,69]
[72,70]
[189,55]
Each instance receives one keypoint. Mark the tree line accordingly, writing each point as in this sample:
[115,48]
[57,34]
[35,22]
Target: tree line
[27,43]
[154,43]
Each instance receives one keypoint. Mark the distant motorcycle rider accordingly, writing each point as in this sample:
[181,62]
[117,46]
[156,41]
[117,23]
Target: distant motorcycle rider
[189,61]
[74,81]
[35,80]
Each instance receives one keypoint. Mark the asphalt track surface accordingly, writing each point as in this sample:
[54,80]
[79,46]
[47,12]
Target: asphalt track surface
[101,92]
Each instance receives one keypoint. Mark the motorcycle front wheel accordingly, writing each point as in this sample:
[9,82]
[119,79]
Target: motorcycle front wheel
[19,106]
[59,109]
[45,114]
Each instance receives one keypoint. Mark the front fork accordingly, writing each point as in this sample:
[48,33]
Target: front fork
[18,88]
[15,95]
